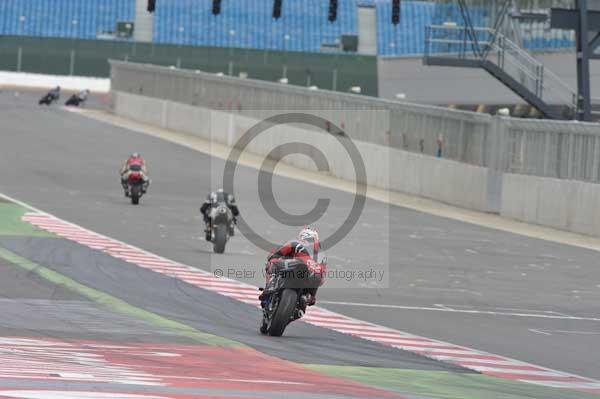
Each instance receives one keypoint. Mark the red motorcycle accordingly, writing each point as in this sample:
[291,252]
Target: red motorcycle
[136,184]
[286,296]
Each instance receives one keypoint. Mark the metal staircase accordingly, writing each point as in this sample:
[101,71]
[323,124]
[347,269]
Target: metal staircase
[487,48]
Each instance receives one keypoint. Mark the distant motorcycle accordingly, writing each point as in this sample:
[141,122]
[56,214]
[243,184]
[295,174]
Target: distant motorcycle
[221,227]
[48,99]
[136,184]
[288,293]
[74,101]
[77,99]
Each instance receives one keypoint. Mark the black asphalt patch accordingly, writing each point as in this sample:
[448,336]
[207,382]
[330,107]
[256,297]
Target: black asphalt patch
[34,307]
[17,283]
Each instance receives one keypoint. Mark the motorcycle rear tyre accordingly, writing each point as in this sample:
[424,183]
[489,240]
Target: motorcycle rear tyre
[135,195]
[283,313]
[220,239]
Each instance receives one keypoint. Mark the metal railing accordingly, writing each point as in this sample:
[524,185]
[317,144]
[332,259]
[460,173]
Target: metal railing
[538,79]
[560,149]
[457,41]
[596,107]
[564,150]
[486,44]
[413,127]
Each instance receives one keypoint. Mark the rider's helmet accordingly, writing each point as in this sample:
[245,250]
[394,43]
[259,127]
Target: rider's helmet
[135,155]
[219,191]
[308,233]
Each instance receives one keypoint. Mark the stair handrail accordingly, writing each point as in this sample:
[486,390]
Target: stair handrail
[464,42]
[545,79]
[508,56]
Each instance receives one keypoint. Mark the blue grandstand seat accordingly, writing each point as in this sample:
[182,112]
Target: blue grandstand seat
[63,18]
[191,22]
[305,22]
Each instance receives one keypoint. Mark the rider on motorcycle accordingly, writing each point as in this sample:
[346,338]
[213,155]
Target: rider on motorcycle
[83,95]
[135,163]
[77,99]
[54,93]
[305,248]
[213,200]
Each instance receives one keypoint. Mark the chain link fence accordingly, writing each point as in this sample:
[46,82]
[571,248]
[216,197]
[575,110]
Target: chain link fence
[566,150]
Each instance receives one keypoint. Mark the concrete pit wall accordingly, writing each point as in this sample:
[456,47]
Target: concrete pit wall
[563,204]
[444,180]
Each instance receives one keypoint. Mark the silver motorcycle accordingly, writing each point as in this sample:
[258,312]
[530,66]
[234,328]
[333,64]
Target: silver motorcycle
[221,228]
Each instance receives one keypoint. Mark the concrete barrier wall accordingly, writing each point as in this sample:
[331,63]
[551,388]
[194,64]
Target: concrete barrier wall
[448,181]
[388,168]
[563,204]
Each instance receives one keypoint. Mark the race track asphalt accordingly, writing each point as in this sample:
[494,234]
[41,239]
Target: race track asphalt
[62,339]
[67,165]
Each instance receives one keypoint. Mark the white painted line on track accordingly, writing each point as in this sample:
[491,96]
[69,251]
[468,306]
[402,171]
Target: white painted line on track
[542,315]
[552,332]
[516,371]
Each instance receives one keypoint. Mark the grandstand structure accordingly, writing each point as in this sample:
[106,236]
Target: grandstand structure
[244,38]
[81,19]
[486,34]
[303,25]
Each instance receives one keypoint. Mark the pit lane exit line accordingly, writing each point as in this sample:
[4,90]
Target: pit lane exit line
[544,315]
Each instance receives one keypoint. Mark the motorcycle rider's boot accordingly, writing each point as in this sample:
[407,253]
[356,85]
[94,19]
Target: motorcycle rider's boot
[231,230]
[125,187]
[298,313]
[303,300]
[263,327]
[301,309]
[264,300]
[145,186]
[264,295]
[208,233]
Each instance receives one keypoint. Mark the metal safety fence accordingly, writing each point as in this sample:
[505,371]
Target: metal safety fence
[564,150]
[412,127]
[569,150]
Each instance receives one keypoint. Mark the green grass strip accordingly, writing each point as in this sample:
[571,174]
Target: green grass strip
[116,304]
[447,385]
[12,225]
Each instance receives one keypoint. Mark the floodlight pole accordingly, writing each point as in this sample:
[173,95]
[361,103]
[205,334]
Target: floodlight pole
[582,21]
[584,103]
